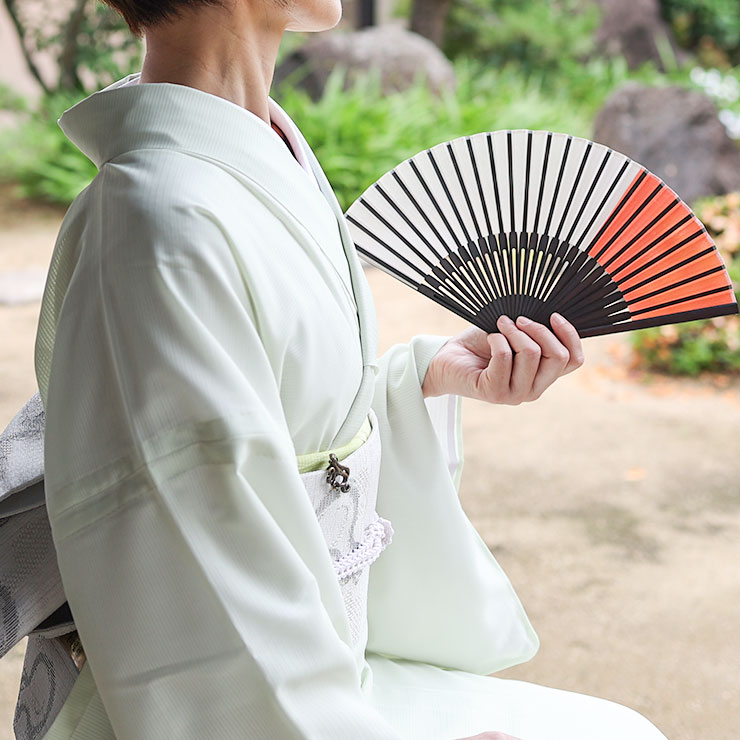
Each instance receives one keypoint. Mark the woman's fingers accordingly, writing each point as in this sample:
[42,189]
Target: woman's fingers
[494,381]
[540,356]
[568,335]
[509,367]
[555,355]
[526,360]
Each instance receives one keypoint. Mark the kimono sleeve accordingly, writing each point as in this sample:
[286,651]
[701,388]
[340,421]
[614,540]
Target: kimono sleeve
[437,595]
[192,560]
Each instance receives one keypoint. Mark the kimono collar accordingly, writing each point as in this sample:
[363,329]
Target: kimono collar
[124,117]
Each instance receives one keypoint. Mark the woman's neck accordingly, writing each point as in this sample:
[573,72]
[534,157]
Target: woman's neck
[230,53]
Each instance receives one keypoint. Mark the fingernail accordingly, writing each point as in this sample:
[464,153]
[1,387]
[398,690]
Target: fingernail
[557,318]
[505,320]
[523,321]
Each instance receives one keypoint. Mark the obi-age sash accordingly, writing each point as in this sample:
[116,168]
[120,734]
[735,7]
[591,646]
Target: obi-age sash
[342,485]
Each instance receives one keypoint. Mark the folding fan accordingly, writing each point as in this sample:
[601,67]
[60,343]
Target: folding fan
[532,222]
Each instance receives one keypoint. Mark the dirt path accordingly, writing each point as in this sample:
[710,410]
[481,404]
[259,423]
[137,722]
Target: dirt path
[613,503]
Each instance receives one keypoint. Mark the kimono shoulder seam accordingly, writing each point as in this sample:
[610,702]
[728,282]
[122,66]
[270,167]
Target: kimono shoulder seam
[257,189]
[163,456]
[219,164]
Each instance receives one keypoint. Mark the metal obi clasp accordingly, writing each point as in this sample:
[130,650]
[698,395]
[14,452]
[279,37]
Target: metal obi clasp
[338,474]
[73,645]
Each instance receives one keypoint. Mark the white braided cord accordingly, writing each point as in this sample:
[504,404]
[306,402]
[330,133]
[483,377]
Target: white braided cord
[377,536]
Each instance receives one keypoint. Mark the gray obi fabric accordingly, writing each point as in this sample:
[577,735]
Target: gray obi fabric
[32,598]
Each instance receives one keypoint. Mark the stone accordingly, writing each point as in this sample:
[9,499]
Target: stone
[398,54]
[676,134]
[633,28]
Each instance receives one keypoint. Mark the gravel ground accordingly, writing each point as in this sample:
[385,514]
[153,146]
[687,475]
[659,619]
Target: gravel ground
[613,503]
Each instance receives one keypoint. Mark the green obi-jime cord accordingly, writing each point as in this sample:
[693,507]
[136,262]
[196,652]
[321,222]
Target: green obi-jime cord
[319,460]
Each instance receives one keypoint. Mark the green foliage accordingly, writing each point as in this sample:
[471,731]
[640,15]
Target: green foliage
[542,34]
[538,34]
[92,47]
[89,44]
[589,83]
[11,100]
[106,50]
[690,349]
[41,160]
[701,346]
[709,27]
[292,41]
[357,134]
[361,133]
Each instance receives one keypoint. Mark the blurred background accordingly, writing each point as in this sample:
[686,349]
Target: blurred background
[613,502]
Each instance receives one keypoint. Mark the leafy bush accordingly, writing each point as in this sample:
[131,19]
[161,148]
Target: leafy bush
[700,346]
[360,134]
[10,100]
[40,159]
[538,34]
[709,27]
[357,135]
[724,90]
[87,43]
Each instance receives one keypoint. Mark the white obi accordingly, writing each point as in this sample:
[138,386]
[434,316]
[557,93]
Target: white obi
[354,533]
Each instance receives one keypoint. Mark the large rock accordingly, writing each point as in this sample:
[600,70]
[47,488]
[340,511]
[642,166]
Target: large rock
[676,134]
[398,54]
[633,28]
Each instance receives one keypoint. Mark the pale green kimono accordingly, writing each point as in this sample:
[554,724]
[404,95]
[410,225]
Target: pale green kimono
[210,321]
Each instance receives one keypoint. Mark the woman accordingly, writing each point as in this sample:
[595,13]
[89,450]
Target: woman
[206,357]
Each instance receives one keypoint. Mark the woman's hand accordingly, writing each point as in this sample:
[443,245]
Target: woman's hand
[514,366]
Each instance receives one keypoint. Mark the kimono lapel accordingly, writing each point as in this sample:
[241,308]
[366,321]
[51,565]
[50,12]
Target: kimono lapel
[365,314]
[360,288]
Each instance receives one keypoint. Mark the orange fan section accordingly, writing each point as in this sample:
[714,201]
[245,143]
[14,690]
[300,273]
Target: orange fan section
[654,277]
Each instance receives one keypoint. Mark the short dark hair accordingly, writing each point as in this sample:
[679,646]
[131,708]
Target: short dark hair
[140,14]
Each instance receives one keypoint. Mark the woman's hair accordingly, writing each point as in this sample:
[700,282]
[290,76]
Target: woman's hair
[139,14]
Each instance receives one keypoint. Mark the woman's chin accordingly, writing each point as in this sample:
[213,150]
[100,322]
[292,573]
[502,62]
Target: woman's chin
[329,17]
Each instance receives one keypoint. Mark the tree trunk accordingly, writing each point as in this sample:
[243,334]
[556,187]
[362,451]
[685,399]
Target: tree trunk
[27,56]
[68,77]
[366,13]
[428,19]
